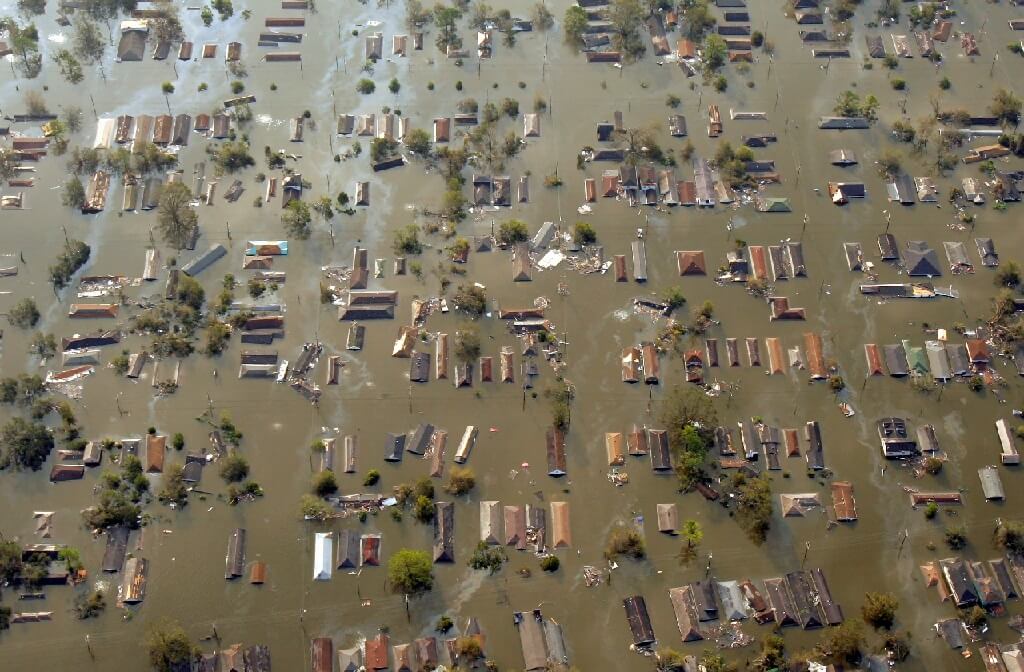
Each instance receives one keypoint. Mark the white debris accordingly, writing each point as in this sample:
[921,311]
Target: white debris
[551,259]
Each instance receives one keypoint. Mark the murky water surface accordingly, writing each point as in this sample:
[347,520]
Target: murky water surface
[185,549]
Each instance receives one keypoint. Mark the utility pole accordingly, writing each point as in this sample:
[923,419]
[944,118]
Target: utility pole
[906,533]
[807,549]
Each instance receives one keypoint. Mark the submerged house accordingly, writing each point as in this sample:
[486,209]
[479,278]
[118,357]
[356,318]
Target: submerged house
[921,260]
[895,439]
[639,621]
[132,46]
[685,607]
[323,556]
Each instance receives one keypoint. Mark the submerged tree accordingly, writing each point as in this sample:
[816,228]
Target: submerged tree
[467,344]
[410,572]
[169,647]
[87,41]
[1006,106]
[176,219]
[296,219]
[690,418]
[24,444]
[754,507]
[879,609]
[24,313]
[575,24]
[70,68]
[445,18]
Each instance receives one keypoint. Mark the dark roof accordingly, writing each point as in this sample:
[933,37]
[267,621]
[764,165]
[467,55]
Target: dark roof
[117,547]
[921,260]
[887,246]
[234,563]
[444,532]
[843,123]
[809,610]
[348,549]
[657,442]
[419,367]
[132,46]
[639,620]
[685,608]
[419,439]
[833,612]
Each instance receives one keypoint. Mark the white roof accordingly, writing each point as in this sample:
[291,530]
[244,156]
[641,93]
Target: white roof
[134,24]
[323,553]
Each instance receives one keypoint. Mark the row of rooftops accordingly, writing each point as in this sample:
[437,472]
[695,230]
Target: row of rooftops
[734,29]
[897,442]
[906,190]
[939,359]
[378,653]
[71,465]
[969,583]
[920,259]
[639,363]
[798,599]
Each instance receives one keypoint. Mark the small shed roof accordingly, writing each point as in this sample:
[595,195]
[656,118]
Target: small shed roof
[668,518]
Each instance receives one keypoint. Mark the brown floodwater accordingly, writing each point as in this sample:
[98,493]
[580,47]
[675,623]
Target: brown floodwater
[185,549]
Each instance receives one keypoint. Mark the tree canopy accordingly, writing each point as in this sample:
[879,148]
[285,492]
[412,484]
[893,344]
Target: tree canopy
[176,219]
[879,609]
[296,219]
[168,646]
[754,506]
[410,571]
[24,444]
[512,231]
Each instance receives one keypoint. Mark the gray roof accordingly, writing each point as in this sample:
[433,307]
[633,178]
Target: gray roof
[843,123]
[543,237]
[938,360]
[987,251]
[991,484]
[901,189]
[959,363]
[348,549]
[956,254]
[204,260]
[734,606]
[921,260]
[951,630]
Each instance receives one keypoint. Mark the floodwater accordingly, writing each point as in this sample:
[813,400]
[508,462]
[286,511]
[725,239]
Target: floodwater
[185,549]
